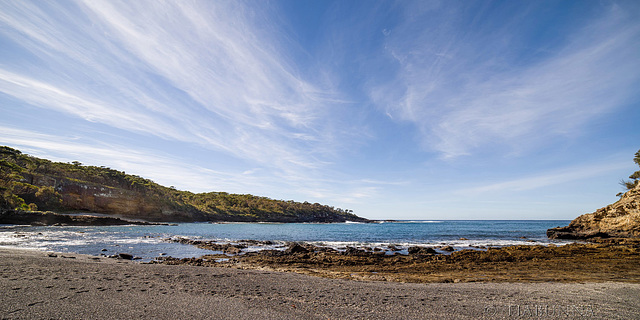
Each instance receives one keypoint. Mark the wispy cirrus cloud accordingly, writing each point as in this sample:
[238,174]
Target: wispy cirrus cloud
[214,74]
[48,95]
[546,179]
[174,170]
[159,166]
[468,89]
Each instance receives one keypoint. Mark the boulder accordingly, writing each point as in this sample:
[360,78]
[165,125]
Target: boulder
[125,256]
[351,251]
[296,248]
[447,248]
[231,249]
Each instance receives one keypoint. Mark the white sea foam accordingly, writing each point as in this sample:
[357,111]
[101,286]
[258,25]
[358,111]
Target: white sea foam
[147,241]
[456,244]
[44,239]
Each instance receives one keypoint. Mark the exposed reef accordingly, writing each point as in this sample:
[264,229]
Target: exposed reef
[604,261]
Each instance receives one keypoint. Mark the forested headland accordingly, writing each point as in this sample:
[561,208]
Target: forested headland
[28,183]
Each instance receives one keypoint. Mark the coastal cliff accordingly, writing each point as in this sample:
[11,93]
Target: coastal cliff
[28,183]
[618,220]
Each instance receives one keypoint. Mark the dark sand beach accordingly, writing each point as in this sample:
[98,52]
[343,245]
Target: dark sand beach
[39,285]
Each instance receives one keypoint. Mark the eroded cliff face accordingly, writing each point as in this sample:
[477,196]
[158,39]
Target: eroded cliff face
[83,196]
[32,184]
[618,220]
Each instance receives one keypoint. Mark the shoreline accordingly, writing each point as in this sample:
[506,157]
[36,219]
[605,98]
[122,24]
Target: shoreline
[82,238]
[79,286]
[609,260]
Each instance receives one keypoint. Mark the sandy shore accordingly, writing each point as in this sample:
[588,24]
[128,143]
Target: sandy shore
[68,286]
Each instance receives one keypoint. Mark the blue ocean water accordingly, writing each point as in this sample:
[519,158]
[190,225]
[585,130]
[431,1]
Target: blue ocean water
[149,242]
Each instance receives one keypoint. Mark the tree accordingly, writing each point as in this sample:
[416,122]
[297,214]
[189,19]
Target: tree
[635,177]
[48,198]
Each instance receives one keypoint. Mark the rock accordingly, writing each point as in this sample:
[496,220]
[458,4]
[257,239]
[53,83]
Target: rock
[414,250]
[125,256]
[447,248]
[463,239]
[296,248]
[618,220]
[230,249]
[421,250]
[351,251]
[37,218]
[104,250]
[429,251]
[271,253]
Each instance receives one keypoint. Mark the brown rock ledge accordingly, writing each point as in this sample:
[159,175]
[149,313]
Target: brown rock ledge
[51,218]
[618,220]
[605,261]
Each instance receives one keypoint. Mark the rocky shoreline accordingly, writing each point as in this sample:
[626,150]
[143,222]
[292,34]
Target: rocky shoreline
[607,260]
[618,220]
[48,218]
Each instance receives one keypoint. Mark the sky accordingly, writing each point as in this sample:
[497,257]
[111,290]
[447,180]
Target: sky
[396,110]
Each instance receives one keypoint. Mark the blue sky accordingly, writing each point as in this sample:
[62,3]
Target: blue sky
[400,110]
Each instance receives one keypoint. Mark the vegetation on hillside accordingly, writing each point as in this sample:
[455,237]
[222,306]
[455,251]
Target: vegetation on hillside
[30,183]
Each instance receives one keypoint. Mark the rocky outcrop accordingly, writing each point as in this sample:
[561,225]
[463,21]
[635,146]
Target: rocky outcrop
[51,218]
[83,196]
[618,220]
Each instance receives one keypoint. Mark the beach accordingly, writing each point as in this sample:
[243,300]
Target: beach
[37,285]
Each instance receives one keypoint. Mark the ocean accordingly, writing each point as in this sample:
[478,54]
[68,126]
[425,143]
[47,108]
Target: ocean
[150,242]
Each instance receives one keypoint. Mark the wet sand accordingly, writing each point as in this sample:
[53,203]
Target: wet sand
[35,285]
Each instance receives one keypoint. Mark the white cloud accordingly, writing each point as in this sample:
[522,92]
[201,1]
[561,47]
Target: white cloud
[543,180]
[215,74]
[466,95]
[47,95]
[173,170]
[158,166]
